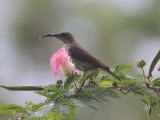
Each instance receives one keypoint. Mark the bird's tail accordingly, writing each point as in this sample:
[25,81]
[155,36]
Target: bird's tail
[111,73]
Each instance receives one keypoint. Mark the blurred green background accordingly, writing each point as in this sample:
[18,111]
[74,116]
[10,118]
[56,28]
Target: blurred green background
[117,31]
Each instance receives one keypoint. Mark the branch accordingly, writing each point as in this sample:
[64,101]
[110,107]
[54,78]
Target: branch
[22,88]
[152,87]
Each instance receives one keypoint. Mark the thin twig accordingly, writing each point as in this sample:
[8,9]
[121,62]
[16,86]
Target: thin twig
[23,88]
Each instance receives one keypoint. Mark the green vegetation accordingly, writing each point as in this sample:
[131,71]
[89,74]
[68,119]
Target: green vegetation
[62,98]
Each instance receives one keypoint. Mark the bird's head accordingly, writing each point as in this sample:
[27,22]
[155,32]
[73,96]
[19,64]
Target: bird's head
[65,37]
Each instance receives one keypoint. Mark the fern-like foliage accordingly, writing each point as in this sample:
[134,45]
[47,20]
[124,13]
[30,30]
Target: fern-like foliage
[63,98]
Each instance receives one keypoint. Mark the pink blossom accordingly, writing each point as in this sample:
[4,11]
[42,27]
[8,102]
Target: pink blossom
[61,64]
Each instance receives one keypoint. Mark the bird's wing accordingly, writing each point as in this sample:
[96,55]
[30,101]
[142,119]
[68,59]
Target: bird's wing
[81,54]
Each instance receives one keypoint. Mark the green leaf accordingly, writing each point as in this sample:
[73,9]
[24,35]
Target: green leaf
[55,115]
[54,96]
[36,118]
[90,74]
[70,80]
[72,112]
[58,115]
[105,83]
[65,101]
[109,79]
[150,102]
[156,81]
[33,106]
[90,88]
[121,67]
[12,108]
[51,87]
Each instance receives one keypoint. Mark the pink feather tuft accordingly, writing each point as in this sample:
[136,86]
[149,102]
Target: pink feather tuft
[61,64]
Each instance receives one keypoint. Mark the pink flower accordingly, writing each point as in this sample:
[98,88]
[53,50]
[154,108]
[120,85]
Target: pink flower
[61,64]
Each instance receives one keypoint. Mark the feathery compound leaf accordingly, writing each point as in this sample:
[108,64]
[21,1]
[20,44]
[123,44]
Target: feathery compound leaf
[54,114]
[121,67]
[102,93]
[72,111]
[70,80]
[33,107]
[12,107]
[105,83]
[36,118]
[65,101]
[108,80]
[67,115]
[90,74]
[89,87]
[51,87]
[150,102]
[156,82]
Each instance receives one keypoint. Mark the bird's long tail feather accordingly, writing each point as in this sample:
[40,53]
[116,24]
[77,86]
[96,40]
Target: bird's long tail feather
[111,73]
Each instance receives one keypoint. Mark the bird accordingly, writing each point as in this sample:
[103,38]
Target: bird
[80,57]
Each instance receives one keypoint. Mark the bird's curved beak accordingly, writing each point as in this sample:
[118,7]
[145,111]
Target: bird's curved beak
[48,35]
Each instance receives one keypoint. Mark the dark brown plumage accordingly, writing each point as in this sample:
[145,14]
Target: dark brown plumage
[80,57]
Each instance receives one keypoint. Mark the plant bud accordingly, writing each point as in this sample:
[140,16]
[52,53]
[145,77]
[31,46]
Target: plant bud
[141,63]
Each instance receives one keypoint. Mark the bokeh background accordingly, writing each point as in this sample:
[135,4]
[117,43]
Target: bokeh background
[117,31]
